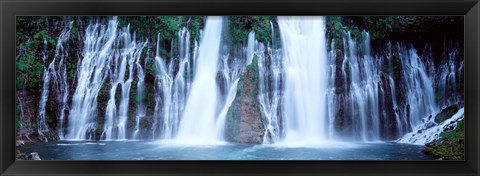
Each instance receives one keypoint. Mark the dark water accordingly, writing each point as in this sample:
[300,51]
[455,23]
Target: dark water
[153,150]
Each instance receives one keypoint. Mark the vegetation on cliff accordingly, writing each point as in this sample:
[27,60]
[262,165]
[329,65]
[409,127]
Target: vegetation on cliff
[244,124]
[36,39]
[451,145]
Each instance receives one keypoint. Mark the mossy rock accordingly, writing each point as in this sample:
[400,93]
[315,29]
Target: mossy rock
[451,145]
[446,113]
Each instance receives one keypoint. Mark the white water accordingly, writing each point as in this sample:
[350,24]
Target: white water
[97,53]
[62,88]
[141,107]
[58,74]
[42,125]
[269,94]
[420,95]
[447,78]
[126,52]
[172,88]
[296,85]
[199,118]
[362,71]
[305,64]
[429,131]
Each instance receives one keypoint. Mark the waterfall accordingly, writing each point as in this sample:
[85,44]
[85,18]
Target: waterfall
[42,125]
[391,82]
[447,78]
[141,107]
[305,64]
[357,91]
[270,87]
[418,85]
[97,54]
[62,87]
[172,88]
[58,74]
[199,118]
[361,73]
[126,52]
[332,70]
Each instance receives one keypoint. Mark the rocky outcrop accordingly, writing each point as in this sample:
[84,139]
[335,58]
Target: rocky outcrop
[446,113]
[430,131]
[244,121]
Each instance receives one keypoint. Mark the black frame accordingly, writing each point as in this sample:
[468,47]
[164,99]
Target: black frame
[10,8]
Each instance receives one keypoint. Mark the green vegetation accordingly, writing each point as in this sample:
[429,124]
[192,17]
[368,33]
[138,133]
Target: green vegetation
[148,28]
[232,124]
[451,145]
[391,27]
[240,26]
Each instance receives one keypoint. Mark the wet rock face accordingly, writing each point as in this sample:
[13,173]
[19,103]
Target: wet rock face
[446,113]
[244,124]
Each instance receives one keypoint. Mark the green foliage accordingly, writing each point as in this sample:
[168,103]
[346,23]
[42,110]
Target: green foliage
[29,69]
[74,32]
[240,26]
[43,36]
[262,28]
[32,32]
[334,24]
[231,124]
[18,124]
[253,68]
[451,144]
[238,31]
[379,26]
[240,87]
[194,24]
[394,27]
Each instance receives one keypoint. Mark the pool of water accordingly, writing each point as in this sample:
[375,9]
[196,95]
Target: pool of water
[155,150]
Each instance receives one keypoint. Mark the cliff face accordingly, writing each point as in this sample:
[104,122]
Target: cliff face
[244,124]
[379,98]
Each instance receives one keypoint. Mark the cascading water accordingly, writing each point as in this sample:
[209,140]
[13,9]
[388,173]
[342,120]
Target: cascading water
[361,74]
[306,95]
[141,108]
[42,125]
[58,75]
[270,88]
[172,88]
[97,54]
[199,118]
[305,64]
[62,86]
[127,52]
[420,95]
[448,76]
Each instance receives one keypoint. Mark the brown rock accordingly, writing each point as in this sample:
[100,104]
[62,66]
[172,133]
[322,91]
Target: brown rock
[244,119]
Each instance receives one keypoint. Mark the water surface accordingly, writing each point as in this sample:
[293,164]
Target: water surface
[154,150]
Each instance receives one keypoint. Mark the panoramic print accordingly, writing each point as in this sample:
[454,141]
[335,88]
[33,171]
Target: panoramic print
[239,88]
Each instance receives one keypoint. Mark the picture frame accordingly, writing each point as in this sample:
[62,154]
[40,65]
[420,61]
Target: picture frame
[11,8]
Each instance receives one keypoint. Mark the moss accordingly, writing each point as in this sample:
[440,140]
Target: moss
[450,146]
[240,26]
[253,68]
[232,126]
[20,155]
[334,24]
